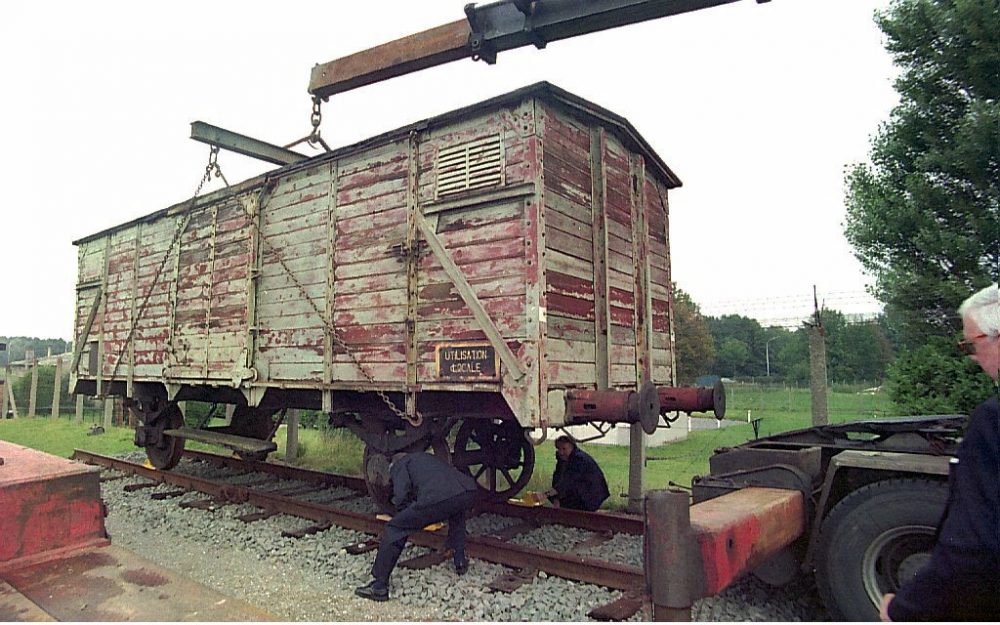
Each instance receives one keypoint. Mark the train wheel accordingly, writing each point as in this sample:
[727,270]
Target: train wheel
[165,455]
[873,541]
[253,423]
[376,465]
[497,454]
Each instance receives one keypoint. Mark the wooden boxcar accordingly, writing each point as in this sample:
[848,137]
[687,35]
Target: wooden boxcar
[504,267]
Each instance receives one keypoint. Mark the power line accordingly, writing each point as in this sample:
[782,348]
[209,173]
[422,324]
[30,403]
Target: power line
[789,311]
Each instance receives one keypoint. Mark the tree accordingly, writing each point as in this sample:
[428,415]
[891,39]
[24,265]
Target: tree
[695,347]
[732,356]
[731,329]
[924,218]
[931,380]
[17,346]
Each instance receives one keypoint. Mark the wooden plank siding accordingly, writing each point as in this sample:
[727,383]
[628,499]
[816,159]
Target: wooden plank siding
[485,240]
[362,247]
[208,333]
[578,262]
[291,288]
[569,250]
[661,286]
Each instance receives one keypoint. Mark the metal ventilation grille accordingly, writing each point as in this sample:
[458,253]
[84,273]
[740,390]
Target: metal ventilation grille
[473,165]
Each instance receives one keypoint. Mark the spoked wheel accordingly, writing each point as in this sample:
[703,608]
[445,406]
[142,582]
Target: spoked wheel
[497,454]
[376,466]
[167,453]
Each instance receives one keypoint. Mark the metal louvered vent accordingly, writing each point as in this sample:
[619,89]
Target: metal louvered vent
[473,165]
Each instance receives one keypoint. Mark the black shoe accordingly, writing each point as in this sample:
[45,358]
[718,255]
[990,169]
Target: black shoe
[461,566]
[373,591]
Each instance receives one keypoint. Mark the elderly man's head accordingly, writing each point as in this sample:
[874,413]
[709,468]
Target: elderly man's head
[981,329]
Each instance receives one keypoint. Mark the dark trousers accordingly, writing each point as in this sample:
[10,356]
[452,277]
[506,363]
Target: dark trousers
[413,519]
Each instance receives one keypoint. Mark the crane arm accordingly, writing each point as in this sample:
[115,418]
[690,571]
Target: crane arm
[488,30]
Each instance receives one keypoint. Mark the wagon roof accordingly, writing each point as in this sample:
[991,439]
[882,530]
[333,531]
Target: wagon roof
[617,124]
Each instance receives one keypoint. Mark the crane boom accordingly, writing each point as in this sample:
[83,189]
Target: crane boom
[488,30]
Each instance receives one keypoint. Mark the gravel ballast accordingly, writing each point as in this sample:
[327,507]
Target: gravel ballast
[313,578]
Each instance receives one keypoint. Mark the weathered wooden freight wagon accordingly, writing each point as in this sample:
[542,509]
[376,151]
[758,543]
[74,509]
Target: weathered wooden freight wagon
[502,268]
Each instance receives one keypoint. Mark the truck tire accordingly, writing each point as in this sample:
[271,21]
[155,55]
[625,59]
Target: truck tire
[875,539]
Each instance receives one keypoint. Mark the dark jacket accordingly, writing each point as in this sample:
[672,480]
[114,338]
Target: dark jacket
[579,482]
[424,480]
[961,581]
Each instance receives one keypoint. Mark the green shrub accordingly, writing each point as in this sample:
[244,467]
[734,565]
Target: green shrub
[936,379]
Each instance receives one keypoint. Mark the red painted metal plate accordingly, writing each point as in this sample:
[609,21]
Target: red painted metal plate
[740,530]
[113,584]
[47,505]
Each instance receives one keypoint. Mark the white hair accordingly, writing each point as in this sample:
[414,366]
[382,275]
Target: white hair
[983,308]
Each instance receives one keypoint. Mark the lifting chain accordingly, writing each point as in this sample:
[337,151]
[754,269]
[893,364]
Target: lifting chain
[314,138]
[212,168]
[417,419]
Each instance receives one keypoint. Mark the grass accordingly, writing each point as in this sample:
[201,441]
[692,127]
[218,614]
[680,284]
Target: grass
[779,409]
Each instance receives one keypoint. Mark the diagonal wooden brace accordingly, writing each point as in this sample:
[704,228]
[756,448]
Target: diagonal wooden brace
[486,324]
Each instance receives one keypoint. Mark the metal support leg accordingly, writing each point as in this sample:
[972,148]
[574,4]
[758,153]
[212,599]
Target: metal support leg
[667,558]
[636,462]
[292,435]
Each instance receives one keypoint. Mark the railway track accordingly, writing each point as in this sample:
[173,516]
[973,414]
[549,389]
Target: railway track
[329,500]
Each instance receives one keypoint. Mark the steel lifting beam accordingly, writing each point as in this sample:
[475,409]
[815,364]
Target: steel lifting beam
[488,30]
[242,144]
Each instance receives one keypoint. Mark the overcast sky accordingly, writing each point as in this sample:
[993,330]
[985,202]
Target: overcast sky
[757,108]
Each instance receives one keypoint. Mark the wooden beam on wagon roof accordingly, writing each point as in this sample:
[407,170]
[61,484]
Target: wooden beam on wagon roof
[469,297]
[242,144]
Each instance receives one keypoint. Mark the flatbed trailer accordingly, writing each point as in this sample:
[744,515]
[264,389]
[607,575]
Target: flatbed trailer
[873,494]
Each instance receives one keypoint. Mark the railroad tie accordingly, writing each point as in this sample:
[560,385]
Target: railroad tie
[509,582]
[599,538]
[427,560]
[306,531]
[515,530]
[112,478]
[210,505]
[296,491]
[131,488]
[257,516]
[356,549]
[619,609]
[167,494]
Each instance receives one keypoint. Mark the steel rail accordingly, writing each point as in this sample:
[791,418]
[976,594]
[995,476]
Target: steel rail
[564,565]
[592,521]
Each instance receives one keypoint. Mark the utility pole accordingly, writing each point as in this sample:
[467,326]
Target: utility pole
[767,354]
[6,382]
[817,366]
[33,394]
